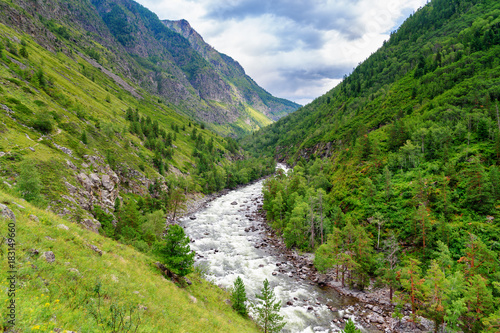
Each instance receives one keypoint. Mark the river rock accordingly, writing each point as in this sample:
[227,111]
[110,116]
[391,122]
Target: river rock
[375,318]
[234,203]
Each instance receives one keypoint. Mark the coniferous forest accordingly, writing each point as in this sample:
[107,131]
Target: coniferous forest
[113,125]
[396,170]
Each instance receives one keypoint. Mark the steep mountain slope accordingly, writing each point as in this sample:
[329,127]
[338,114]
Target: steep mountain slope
[130,41]
[80,137]
[231,70]
[70,279]
[397,172]
[413,135]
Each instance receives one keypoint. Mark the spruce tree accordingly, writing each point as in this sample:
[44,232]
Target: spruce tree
[350,328]
[267,310]
[175,252]
[239,296]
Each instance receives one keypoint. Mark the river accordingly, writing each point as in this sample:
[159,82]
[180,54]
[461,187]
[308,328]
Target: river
[227,251]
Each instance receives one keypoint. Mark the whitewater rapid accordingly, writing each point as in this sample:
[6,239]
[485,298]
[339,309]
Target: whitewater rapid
[226,250]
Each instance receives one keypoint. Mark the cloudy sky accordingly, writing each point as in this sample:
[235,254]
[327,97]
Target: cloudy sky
[295,49]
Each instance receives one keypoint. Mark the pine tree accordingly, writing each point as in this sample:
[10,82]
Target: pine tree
[350,327]
[412,282]
[387,271]
[267,310]
[479,302]
[239,297]
[175,252]
[436,301]
[84,138]
[478,194]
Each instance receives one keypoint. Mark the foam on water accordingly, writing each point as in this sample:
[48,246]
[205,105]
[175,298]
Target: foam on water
[228,251]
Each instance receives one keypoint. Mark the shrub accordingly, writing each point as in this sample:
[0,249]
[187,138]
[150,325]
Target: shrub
[29,184]
[43,123]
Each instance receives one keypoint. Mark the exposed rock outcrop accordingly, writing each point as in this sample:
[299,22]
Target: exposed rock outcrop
[5,212]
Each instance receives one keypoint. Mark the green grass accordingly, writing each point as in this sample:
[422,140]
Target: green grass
[78,97]
[55,295]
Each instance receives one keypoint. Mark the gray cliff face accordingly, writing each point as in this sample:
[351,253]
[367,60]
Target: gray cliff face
[167,59]
[247,91]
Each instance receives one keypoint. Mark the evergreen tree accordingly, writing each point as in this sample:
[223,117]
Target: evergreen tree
[175,252]
[411,281]
[84,138]
[436,301]
[479,300]
[477,188]
[239,297]
[387,270]
[350,327]
[267,310]
[128,221]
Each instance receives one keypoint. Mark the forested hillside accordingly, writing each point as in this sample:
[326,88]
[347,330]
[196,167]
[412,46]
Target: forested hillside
[84,141]
[398,167]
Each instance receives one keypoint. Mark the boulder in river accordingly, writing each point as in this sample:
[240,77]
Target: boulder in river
[234,203]
[375,318]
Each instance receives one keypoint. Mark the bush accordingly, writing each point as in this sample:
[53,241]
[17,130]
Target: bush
[29,184]
[43,123]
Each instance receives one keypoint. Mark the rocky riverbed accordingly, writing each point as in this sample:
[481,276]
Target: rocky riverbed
[231,236]
[372,308]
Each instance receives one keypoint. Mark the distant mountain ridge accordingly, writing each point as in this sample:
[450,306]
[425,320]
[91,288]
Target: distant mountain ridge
[232,71]
[130,41]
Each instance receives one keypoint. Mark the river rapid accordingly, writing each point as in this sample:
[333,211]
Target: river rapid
[224,236]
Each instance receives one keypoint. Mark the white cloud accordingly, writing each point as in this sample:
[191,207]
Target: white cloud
[295,49]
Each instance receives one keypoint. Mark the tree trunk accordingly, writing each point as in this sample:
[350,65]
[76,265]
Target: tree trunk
[312,223]
[378,238]
[498,118]
[321,215]
[343,272]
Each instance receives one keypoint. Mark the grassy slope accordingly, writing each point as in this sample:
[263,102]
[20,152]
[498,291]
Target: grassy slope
[78,98]
[76,103]
[54,295]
